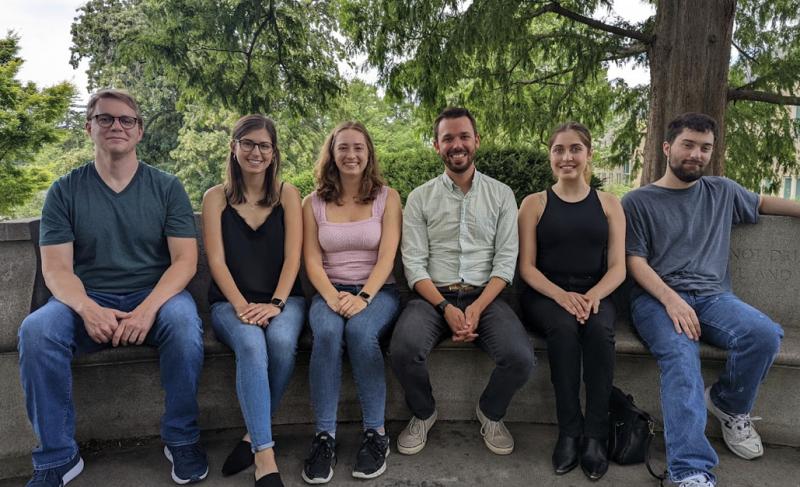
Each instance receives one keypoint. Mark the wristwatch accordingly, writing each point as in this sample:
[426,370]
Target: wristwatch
[365,296]
[441,307]
[278,302]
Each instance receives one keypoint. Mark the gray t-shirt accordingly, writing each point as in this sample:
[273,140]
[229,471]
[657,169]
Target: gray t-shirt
[119,239]
[685,234]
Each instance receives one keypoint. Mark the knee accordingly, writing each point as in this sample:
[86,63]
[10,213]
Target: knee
[327,337]
[518,361]
[281,344]
[766,338]
[34,333]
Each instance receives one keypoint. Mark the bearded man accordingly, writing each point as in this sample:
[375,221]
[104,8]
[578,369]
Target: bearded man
[677,246]
[459,252]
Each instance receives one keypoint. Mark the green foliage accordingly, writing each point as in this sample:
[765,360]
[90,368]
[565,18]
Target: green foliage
[525,170]
[522,68]
[303,181]
[29,119]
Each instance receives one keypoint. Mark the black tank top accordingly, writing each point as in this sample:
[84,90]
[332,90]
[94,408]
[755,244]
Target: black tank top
[254,257]
[572,238]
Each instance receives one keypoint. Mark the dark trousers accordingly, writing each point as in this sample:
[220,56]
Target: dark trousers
[500,334]
[568,344]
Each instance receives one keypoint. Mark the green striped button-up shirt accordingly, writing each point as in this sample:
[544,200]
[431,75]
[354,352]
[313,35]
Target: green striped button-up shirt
[451,237]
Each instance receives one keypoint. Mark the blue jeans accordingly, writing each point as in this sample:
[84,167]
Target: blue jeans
[52,335]
[361,334]
[264,362]
[752,340]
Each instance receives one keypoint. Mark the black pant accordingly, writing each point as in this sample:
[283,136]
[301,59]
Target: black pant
[500,334]
[567,343]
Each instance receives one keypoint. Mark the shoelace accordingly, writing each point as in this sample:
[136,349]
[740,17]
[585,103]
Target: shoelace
[742,425]
[417,427]
[188,452]
[322,448]
[372,443]
[490,429]
[696,483]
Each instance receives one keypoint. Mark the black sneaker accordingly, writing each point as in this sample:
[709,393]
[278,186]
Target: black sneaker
[189,463]
[371,458]
[318,467]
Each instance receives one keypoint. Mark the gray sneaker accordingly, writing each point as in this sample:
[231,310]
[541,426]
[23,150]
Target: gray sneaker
[737,430]
[699,480]
[413,438]
[495,434]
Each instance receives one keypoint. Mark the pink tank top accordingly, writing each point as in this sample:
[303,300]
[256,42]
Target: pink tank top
[350,250]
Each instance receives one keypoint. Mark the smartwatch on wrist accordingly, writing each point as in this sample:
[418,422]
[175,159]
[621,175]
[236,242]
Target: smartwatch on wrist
[441,307]
[278,302]
[365,296]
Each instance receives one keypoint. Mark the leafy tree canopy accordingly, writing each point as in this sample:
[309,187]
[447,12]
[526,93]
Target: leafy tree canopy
[525,65]
[29,118]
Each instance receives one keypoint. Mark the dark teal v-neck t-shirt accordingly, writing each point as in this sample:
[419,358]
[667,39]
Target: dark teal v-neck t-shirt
[119,239]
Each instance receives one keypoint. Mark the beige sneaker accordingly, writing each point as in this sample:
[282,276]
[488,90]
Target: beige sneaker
[495,434]
[737,430]
[413,438]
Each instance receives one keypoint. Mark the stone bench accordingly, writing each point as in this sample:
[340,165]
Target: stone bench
[117,393]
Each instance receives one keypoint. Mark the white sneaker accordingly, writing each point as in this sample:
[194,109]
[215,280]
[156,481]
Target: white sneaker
[495,434]
[737,430]
[415,435]
[699,480]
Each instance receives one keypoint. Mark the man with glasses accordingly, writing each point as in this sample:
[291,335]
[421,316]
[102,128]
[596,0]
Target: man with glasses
[118,246]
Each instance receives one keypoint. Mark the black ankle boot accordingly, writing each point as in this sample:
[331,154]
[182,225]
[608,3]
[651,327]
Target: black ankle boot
[594,460]
[565,454]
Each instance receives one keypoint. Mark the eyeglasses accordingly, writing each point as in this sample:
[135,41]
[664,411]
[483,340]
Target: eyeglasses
[105,120]
[248,145]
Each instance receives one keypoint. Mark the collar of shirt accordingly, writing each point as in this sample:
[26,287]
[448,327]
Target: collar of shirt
[450,185]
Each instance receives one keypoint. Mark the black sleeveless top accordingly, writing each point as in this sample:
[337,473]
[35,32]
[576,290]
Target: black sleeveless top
[254,257]
[572,238]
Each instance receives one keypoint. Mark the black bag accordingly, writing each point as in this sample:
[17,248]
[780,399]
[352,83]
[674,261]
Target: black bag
[630,432]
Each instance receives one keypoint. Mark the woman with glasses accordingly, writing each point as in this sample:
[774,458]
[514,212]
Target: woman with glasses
[351,232]
[252,228]
[572,256]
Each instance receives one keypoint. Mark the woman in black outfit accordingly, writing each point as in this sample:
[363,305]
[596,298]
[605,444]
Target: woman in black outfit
[572,256]
[253,233]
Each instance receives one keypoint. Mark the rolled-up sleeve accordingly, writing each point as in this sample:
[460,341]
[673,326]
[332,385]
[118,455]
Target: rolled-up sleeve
[506,239]
[415,240]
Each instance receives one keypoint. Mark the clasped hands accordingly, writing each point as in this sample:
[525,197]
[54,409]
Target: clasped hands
[579,305]
[463,323]
[257,313]
[347,304]
[105,325]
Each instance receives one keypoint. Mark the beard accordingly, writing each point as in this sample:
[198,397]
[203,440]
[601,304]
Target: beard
[686,175]
[460,166]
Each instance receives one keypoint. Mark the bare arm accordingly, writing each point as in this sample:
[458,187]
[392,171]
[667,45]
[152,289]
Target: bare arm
[772,205]
[312,257]
[293,241]
[683,316]
[60,278]
[615,273]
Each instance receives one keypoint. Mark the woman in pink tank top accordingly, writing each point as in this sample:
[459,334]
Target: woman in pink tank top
[351,233]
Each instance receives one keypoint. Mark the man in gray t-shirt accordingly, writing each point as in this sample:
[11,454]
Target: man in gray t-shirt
[677,246]
[118,247]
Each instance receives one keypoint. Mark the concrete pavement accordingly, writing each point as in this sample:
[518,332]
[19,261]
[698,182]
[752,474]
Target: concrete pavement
[454,456]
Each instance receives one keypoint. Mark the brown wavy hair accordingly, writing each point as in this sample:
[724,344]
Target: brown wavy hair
[583,134]
[329,182]
[234,184]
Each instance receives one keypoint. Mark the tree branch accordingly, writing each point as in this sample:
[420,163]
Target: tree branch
[632,51]
[249,54]
[744,53]
[753,95]
[557,9]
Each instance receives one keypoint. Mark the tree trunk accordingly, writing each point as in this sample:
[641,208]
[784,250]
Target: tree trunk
[689,63]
